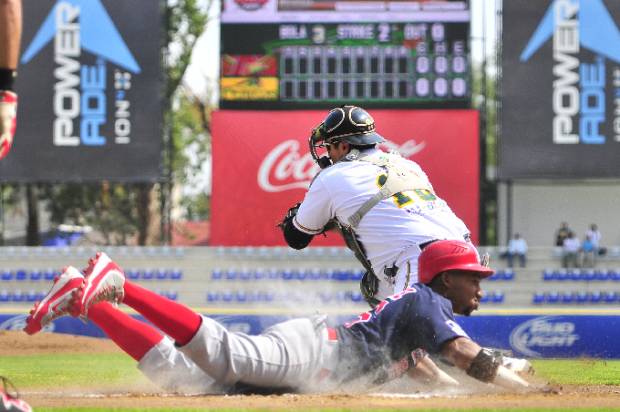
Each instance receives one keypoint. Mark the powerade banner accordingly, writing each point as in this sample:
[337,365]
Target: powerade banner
[561,89]
[262,166]
[567,336]
[89,86]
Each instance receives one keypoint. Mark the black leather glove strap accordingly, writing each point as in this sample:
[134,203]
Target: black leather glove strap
[484,366]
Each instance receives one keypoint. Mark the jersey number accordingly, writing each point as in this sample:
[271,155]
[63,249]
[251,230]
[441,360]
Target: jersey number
[404,198]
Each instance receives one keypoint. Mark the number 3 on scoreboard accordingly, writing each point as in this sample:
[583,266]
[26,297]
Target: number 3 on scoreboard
[318,34]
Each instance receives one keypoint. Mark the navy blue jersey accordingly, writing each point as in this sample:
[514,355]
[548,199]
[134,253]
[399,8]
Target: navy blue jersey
[413,319]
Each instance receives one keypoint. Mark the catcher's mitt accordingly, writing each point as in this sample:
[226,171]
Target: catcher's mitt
[9,398]
[290,214]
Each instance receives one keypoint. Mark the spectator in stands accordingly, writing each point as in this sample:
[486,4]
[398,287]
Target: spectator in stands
[595,237]
[570,250]
[517,247]
[588,252]
[561,234]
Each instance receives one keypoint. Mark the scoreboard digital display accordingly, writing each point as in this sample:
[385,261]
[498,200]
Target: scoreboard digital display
[296,54]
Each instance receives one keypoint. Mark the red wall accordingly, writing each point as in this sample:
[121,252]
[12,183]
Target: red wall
[262,166]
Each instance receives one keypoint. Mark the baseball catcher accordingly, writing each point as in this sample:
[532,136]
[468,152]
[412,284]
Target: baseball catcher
[383,204]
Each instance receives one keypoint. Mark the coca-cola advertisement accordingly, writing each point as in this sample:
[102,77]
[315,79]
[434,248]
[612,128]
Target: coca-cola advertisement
[262,166]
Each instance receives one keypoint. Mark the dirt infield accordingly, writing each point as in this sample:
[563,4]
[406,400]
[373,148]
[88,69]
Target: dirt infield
[17,343]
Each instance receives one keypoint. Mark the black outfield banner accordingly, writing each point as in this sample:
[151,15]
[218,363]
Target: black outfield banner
[90,92]
[561,89]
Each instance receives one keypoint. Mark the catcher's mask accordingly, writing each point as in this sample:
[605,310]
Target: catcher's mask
[349,124]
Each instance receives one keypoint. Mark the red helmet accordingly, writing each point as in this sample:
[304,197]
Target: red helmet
[444,255]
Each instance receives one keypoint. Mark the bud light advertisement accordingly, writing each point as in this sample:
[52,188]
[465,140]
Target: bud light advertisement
[561,89]
[89,85]
[262,166]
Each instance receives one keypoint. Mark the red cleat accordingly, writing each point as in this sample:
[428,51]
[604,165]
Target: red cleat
[105,281]
[58,302]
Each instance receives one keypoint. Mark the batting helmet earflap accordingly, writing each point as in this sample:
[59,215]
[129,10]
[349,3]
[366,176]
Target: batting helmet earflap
[444,255]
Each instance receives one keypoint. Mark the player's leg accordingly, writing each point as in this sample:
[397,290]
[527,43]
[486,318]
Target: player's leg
[10,38]
[106,281]
[157,357]
[285,355]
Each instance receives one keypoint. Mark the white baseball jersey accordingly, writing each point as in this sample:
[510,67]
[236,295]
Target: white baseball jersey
[391,231]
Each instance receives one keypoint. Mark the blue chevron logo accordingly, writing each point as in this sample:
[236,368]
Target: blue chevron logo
[597,30]
[98,34]
[86,110]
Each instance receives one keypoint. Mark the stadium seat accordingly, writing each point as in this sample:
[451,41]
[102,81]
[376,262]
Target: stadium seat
[227,296]
[538,298]
[567,298]
[132,274]
[595,297]
[357,274]
[259,274]
[17,296]
[217,274]
[4,296]
[562,275]
[548,275]
[581,297]
[245,274]
[147,274]
[614,275]
[552,297]
[213,297]
[610,297]
[588,275]
[508,275]
[574,274]
[498,297]
[230,274]
[50,274]
[161,274]
[35,275]
[357,297]
[31,296]
[287,274]
[273,274]
[315,274]
[21,275]
[601,275]
[6,275]
[175,274]
[301,274]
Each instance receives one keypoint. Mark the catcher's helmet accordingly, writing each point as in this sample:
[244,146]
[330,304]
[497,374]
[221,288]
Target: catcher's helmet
[444,255]
[349,124]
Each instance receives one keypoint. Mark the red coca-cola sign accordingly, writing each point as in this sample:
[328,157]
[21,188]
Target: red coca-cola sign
[262,166]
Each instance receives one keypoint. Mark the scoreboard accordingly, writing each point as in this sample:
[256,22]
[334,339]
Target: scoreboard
[298,54]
